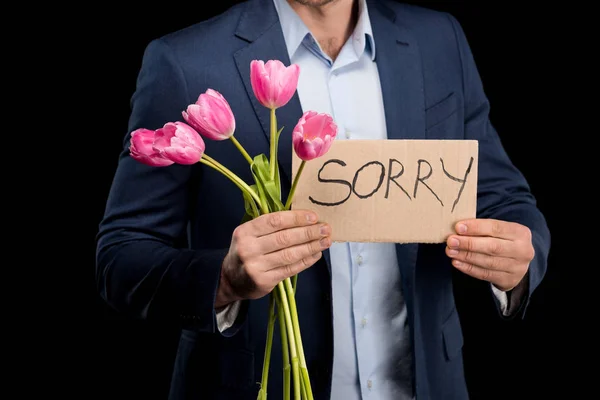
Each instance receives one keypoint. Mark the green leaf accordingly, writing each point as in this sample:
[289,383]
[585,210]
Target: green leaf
[250,206]
[269,190]
[254,209]
[261,167]
[262,192]
[273,196]
[247,217]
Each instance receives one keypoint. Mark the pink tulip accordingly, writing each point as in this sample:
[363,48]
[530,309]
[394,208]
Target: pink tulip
[140,148]
[211,116]
[179,142]
[313,135]
[273,83]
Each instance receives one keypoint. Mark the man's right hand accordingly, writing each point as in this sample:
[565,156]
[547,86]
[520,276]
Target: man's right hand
[269,249]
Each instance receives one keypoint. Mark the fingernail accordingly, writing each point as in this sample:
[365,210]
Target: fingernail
[324,243]
[325,230]
[461,228]
[316,256]
[453,252]
[453,243]
[310,217]
[457,263]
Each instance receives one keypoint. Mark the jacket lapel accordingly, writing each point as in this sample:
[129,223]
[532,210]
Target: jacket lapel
[259,26]
[400,72]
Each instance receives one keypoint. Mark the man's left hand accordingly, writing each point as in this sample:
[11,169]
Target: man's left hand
[492,250]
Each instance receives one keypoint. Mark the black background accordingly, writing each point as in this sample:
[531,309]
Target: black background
[520,54]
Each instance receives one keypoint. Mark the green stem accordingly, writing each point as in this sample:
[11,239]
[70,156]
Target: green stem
[211,162]
[284,349]
[307,390]
[294,282]
[298,338]
[288,203]
[292,339]
[296,375]
[241,149]
[302,381]
[267,360]
[273,143]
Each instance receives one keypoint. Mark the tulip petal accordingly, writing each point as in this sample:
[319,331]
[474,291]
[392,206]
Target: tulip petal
[273,83]
[141,149]
[211,116]
[183,155]
[313,135]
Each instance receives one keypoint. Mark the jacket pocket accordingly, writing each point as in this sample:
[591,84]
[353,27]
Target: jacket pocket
[452,336]
[440,111]
[236,368]
[205,359]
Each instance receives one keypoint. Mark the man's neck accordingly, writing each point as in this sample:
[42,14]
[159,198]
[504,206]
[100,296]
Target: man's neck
[331,24]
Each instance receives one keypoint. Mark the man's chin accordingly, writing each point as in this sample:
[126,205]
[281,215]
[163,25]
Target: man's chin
[314,3]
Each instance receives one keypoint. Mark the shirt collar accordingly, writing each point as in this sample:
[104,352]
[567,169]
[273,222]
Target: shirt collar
[295,31]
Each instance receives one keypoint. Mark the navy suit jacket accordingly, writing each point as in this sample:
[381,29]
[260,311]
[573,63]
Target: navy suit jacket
[166,230]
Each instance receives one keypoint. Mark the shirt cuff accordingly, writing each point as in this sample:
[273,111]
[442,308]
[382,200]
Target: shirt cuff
[510,302]
[227,315]
[502,298]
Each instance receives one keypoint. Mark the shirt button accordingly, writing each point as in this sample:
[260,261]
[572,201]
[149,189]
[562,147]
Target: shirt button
[359,260]
[363,322]
[369,384]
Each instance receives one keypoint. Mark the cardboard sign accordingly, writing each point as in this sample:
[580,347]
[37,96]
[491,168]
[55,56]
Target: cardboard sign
[401,191]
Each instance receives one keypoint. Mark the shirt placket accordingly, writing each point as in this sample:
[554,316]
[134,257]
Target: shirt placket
[361,312]
[339,89]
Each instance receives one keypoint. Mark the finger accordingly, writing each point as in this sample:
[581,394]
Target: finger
[488,227]
[276,221]
[484,245]
[480,260]
[292,237]
[286,271]
[292,255]
[484,274]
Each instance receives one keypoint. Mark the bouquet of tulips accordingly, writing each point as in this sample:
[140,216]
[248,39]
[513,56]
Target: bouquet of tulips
[210,117]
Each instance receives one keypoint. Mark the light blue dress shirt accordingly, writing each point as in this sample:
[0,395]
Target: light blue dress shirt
[372,357]
[372,354]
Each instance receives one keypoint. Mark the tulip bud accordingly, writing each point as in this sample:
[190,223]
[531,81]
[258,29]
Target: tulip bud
[211,116]
[313,135]
[140,148]
[273,83]
[179,142]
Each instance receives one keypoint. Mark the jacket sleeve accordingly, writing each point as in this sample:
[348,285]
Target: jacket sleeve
[503,192]
[143,265]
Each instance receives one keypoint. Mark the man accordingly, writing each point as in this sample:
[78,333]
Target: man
[378,320]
